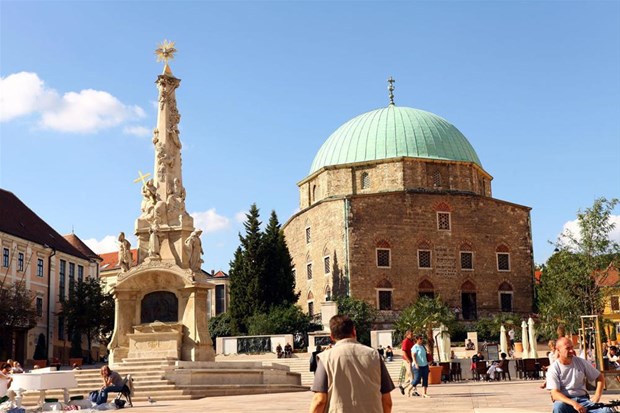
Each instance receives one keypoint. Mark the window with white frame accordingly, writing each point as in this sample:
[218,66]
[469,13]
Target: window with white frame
[308,235]
[384,299]
[443,221]
[467,260]
[383,258]
[5,257]
[424,259]
[39,267]
[503,261]
[327,265]
[20,261]
[80,273]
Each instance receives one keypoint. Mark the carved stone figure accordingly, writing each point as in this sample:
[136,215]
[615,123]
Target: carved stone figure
[154,241]
[179,190]
[149,197]
[194,249]
[124,253]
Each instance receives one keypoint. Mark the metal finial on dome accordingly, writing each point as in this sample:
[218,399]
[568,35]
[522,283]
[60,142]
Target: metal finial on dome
[391,89]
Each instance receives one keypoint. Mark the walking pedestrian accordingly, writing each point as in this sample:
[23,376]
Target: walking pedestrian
[350,377]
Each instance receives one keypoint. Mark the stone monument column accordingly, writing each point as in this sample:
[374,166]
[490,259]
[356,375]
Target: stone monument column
[161,302]
[163,203]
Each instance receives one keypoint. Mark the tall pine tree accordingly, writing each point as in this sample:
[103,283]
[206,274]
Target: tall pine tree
[278,281]
[246,271]
[261,272]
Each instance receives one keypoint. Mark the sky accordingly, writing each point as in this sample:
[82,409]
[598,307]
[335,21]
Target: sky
[534,86]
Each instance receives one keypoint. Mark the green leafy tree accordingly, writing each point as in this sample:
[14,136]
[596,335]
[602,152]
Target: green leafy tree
[489,328]
[571,279]
[424,315]
[88,311]
[18,314]
[361,313]
[278,275]
[221,326]
[247,272]
[285,319]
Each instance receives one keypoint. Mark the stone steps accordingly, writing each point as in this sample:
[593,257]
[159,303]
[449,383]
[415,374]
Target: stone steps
[216,379]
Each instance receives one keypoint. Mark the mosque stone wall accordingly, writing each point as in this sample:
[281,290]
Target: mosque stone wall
[327,238]
[407,221]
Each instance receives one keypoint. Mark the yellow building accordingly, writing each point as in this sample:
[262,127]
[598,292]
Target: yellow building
[47,263]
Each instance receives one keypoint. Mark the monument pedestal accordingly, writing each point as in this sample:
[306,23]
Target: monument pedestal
[156,340]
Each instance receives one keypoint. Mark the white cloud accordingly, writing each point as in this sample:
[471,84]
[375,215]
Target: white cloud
[22,94]
[107,244]
[573,227]
[241,217]
[210,221]
[137,131]
[86,111]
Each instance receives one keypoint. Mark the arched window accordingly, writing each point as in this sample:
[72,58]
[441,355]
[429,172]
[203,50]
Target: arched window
[467,257]
[505,294]
[159,306]
[384,294]
[426,289]
[310,303]
[443,216]
[309,266]
[365,180]
[468,301]
[383,254]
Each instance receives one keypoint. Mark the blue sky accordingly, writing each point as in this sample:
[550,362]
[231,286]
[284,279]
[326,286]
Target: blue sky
[534,86]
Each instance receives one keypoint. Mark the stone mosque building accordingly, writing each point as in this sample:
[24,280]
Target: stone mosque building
[397,205]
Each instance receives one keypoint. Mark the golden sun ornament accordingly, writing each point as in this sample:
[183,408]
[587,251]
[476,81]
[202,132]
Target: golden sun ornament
[165,51]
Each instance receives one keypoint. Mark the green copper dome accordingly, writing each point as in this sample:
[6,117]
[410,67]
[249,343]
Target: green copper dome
[393,132]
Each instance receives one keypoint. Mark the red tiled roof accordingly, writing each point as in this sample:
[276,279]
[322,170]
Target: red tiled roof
[220,274]
[20,221]
[110,260]
[608,277]
[79,244]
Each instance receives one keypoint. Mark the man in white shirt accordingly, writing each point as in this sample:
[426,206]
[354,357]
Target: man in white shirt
[566,379]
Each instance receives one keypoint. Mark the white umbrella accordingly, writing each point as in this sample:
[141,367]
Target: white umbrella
[503,343]
[533,349]
[524,339]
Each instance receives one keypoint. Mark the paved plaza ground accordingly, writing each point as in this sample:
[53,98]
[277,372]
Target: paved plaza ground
[516,396]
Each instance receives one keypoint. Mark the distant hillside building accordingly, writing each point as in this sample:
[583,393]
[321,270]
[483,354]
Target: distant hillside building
[396,206]
[48,263]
